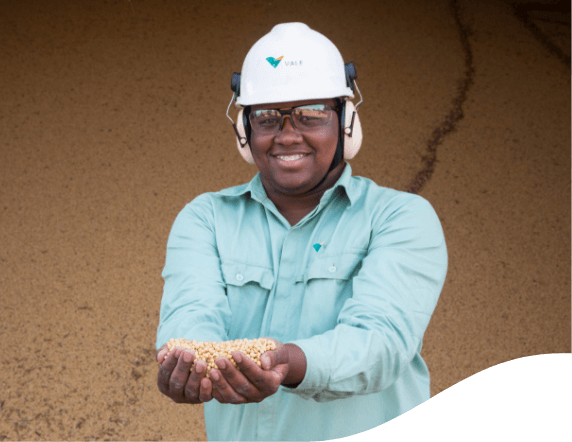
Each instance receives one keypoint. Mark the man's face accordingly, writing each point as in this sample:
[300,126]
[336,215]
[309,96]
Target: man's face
[275,155]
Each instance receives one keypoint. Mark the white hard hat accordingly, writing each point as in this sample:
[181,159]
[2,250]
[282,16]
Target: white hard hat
[290,63]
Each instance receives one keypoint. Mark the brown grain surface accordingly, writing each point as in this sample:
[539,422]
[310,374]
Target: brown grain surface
[112,118]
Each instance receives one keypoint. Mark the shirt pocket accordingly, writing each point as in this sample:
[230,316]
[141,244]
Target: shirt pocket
[239,274]
[327,285]
[247,290]
[333,267]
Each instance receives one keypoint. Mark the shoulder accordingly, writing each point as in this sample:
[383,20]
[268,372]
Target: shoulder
[394,216]
[207,206]
[367,196]
[378,215]
[211,199]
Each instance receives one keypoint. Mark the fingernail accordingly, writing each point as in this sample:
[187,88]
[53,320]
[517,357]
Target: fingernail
[187,356]
[214,375]
[221,365]
[199,368]
[237,357]
[265,361]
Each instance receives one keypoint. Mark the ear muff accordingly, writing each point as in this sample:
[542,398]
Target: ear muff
[352,131]
[244,150]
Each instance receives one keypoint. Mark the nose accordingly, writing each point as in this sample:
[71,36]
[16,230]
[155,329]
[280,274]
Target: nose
[288,133]
[287,119]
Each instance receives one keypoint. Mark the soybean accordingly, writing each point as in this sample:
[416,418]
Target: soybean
[211,351]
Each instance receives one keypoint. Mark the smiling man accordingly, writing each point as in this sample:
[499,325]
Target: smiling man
[292,158]
[343,274]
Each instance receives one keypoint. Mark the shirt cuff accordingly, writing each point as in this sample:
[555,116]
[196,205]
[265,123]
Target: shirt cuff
[317,373]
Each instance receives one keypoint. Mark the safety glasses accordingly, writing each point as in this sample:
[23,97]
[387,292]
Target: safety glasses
[306,118]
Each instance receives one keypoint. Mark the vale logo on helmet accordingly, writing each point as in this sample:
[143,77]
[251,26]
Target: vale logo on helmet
[274,62]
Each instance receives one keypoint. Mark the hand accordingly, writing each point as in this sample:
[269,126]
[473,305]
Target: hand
[177,381]
[253,383]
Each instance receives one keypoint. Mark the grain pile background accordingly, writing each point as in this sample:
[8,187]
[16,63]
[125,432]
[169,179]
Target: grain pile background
[112,118]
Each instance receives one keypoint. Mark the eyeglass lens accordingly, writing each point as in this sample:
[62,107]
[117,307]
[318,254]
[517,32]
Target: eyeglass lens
[305,118]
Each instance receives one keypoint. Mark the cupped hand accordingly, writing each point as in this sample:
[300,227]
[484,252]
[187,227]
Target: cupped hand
[176,380]
[251,383]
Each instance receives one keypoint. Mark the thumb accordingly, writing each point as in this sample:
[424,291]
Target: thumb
[271,359]
[267,361]
[161,353]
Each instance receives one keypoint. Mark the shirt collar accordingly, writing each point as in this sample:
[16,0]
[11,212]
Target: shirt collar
[257,192]
[344,182]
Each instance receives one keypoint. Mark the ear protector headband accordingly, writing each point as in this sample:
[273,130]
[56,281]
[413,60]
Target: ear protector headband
[350,125]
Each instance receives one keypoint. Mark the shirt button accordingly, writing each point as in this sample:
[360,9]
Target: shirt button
[332,269]
[239,277]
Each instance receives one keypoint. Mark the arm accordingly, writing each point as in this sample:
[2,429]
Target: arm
[380,328]
[194,303]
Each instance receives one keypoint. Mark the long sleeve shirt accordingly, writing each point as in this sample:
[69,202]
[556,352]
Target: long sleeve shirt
[353,284]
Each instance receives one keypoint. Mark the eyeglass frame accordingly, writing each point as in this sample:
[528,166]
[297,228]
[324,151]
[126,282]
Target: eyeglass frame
[288,112]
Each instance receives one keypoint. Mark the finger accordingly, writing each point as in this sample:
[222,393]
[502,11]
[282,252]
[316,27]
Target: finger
[165,370]
[206,390]
[269,360]
[224,390]
[216,395]
[272,358]
[239,383]
[277,361]
[265,381]
[161,353]
[181,372]
[192,388]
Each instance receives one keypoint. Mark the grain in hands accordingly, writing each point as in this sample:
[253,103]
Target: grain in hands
[211,351]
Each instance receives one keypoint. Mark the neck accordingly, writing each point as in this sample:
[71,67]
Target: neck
[294,207]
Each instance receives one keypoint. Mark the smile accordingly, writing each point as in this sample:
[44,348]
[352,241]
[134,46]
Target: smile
[290,157]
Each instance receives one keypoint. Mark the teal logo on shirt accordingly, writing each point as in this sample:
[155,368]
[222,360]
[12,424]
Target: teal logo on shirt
[318,246]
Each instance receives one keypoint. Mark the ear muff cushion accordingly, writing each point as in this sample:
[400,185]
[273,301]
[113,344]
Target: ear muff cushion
[244,151]
[351,144]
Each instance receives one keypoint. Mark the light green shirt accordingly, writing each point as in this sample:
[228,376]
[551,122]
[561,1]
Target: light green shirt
[353,284]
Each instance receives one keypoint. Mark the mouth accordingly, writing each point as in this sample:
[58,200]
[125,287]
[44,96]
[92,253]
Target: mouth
[291,158]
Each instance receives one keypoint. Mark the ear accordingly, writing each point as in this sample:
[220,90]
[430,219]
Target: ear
[352,143]
[244,150]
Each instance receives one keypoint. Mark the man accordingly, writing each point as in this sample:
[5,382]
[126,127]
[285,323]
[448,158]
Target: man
[343,274]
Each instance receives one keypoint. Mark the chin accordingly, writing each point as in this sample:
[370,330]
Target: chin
[296,188]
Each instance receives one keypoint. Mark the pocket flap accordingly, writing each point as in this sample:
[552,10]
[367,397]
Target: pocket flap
[239,274]
[333,267]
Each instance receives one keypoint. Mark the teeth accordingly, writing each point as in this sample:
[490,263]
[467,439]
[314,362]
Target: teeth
[290,157]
